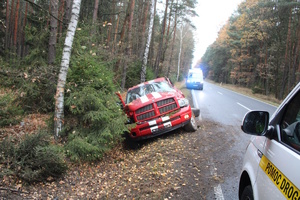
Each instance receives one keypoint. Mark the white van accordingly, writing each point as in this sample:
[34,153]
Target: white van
[271,167]
[194,79]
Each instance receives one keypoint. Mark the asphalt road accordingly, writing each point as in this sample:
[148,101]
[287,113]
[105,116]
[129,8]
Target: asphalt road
[227,109]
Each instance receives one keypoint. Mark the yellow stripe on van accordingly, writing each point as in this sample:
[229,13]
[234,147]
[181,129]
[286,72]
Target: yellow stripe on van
[286,187]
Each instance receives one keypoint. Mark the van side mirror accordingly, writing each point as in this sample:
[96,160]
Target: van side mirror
[256,123]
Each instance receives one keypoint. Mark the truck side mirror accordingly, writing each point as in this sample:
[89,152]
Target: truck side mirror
[120,97]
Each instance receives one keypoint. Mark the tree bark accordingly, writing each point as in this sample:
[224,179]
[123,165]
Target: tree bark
[165,46]
[11,30]
[122,35]
[144,22]
[128,49]
[23,50]
[159,51]
[16,23]
[7,26]
[173,41]
[53,32]
[61,16]
[95,13]
[146,52]
[68,11]
[62,77]
[151,49]
[115,34]
[285,78]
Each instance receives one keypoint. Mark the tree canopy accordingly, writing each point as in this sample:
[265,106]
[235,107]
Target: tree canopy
[258,47]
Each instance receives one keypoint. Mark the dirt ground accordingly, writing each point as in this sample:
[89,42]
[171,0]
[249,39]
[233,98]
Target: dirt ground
[174,166]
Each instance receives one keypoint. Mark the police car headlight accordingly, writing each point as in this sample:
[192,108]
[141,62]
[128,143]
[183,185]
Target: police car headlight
[183,102]
[188,81]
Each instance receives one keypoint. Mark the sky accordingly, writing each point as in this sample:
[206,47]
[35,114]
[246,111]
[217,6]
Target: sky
[213,14]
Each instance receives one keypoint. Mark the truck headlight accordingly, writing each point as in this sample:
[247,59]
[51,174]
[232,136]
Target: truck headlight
[183,102]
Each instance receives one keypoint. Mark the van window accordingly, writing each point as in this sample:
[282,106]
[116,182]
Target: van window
[290,125]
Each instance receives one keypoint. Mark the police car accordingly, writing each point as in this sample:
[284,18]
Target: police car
[271,167]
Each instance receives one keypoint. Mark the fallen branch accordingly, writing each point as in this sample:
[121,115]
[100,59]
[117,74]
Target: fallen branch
[13,190]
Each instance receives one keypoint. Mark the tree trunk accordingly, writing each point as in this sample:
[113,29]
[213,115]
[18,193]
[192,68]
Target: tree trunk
[128,49]
[62,77]
[159,51]
[11,30]
[95,16]
[151,49]
[143,34]
[110,27]
[145,57]
[285,78]
[68,11]
[173,42]
[296,56]
[165,46]
[95,13]
[115,35]
[180,51]
[23,50]
[7,38]
[53,32]
[16,24]
[61,16]
[122,35]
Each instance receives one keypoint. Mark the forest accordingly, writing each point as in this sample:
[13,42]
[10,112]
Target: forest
[258,48]
[63,61]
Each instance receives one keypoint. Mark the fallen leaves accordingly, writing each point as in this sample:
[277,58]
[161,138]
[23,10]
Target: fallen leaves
[160,169]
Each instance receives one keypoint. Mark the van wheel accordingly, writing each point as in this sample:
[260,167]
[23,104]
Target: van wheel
[247,193]
[192,125]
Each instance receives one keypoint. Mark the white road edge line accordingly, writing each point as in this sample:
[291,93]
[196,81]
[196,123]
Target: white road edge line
[243,106]
[218,193]
[217,190]
[220,93]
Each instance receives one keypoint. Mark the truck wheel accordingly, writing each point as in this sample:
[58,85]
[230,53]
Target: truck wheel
[130,143]
[247,193]
[192,125]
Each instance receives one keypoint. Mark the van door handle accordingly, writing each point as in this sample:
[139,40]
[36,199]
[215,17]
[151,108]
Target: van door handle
[259,153]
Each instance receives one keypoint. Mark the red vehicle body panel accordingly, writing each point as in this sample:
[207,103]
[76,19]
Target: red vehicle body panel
[157,112]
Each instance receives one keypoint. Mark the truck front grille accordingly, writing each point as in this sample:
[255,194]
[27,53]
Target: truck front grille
[148,112]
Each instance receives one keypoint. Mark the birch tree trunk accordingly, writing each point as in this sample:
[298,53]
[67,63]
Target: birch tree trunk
[145,57]
[59,96]
[180,49]
[144,22]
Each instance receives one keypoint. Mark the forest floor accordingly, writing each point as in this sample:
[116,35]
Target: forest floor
[167,167]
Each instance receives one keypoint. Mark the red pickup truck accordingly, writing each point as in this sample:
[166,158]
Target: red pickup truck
[156,107]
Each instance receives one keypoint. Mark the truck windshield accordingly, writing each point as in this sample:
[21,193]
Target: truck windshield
[145,89]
